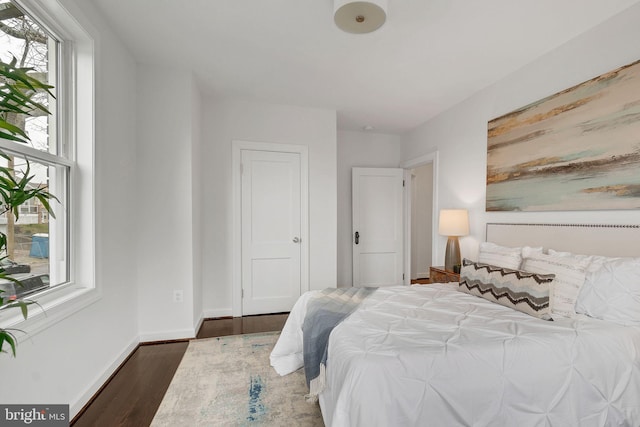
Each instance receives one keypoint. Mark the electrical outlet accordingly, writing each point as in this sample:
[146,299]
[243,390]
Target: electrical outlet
[177,295]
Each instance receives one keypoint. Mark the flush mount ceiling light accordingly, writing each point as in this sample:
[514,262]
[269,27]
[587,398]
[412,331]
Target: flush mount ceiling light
[359,16]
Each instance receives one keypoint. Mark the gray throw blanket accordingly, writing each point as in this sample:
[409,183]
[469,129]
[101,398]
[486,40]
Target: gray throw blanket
[325,312]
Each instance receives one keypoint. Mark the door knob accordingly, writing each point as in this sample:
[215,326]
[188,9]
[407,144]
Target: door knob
[296,240]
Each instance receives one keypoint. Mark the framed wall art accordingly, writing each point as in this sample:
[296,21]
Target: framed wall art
[578,149]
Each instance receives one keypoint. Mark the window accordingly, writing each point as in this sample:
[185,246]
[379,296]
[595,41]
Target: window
[58,251]
[37,243]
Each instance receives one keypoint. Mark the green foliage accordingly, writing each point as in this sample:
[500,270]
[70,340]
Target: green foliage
[6,336]
[14,192]
[17,90]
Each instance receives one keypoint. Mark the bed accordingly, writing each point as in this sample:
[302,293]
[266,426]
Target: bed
[432,355]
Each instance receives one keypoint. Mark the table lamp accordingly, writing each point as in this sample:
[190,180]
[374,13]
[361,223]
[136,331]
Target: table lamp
[453,223]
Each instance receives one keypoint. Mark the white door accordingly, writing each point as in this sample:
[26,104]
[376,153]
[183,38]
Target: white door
[377,237]
[271,224]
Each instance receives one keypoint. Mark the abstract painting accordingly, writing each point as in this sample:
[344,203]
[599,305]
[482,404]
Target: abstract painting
[578,149]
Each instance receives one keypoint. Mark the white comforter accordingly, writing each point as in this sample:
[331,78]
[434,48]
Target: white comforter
[433,356]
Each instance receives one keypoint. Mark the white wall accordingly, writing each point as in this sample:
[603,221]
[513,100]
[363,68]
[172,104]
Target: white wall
[164,207]
[358,149]
[67,362]
[228,120]
[460,134]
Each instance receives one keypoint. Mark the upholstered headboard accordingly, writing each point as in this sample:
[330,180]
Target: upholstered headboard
[590,239]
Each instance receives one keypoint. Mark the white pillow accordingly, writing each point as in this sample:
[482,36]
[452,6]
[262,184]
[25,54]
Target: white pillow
[528,251]
[612,293]
[501,256]
[595,261]
[570,275]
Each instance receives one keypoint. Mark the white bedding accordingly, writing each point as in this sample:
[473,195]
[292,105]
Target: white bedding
[433,356]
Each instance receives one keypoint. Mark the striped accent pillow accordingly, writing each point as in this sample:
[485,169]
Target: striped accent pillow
[521,290]
[570,275]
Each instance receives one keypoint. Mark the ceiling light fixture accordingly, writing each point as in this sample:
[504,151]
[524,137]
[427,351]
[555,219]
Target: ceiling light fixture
[359,16]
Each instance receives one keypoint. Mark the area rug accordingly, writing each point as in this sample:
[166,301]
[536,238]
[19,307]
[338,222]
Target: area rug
[227,381]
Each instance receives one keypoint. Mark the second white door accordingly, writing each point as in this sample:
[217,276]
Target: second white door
[271,231]
[377,238]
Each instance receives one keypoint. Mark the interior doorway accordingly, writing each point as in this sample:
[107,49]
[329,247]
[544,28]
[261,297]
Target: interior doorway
[421,221]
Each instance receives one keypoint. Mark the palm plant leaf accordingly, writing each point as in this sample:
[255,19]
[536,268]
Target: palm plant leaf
[17,96]
[9,338]
[18,92]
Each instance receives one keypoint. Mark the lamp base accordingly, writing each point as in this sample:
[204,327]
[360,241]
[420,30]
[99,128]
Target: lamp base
[452,254]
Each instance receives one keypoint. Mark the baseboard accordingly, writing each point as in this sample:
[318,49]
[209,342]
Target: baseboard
[100,382]
[217,312]
[176,334]
[199,324]
[423,275]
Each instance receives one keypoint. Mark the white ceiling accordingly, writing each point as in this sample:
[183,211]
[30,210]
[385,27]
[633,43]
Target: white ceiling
[429,55]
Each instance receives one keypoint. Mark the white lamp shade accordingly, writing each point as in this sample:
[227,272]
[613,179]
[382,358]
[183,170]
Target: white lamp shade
[454,222]
[359,16]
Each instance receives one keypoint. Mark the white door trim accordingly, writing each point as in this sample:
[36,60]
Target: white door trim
[410,164]
[236,157]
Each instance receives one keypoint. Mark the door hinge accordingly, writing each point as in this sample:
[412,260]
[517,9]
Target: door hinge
[403,277]
[403,182]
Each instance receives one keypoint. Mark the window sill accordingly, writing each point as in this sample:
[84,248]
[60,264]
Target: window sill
[53,306]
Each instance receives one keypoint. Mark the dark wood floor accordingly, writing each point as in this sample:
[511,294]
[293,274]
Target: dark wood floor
[134,393]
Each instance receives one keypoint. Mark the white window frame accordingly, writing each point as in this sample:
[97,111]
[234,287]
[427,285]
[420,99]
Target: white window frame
[76,78]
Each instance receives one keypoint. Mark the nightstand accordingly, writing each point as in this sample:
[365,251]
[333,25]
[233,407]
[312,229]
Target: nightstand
[440,275]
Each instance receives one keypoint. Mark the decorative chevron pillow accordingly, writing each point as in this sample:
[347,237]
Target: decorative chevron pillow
[521,290]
